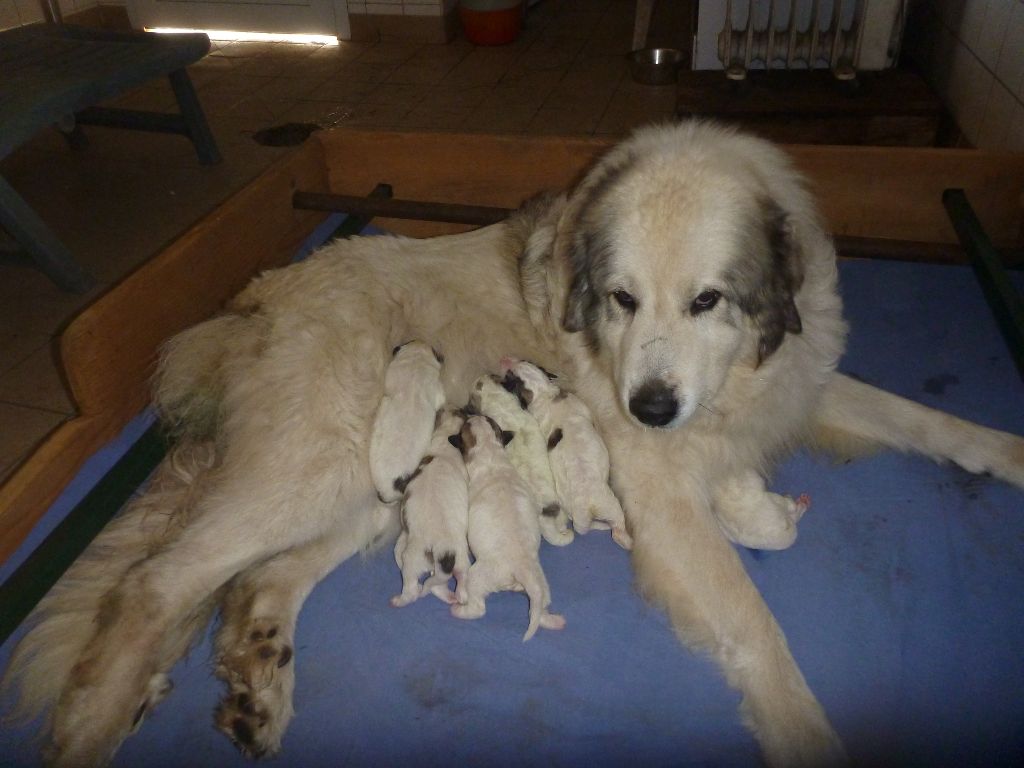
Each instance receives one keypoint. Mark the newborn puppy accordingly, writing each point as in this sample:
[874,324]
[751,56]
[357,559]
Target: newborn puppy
[435,520]
[405,418]
[578,456]
[528,453]
[504,533]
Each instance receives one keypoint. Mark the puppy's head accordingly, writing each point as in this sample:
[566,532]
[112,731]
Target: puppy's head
[480,433]
[527,382]
[684,261]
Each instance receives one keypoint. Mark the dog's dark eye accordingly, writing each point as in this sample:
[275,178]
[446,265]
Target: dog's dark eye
[705,301]
[624,300]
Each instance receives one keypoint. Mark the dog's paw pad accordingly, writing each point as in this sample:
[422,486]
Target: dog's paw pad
[245,722]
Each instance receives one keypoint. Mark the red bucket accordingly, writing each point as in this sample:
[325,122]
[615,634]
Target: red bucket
[485,25]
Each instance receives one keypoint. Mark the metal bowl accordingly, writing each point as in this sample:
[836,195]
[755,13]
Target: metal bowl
[655,66]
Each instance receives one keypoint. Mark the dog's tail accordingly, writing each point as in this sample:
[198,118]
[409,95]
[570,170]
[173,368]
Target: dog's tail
[64,621]
[854,418]
[194,366]
[536,587]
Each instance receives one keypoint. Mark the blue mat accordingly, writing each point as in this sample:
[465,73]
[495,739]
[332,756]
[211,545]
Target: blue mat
[901,600]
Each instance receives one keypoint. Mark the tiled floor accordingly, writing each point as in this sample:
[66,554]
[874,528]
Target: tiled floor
[121,200]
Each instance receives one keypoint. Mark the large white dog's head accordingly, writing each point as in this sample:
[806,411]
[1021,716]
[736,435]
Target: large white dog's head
[684,263]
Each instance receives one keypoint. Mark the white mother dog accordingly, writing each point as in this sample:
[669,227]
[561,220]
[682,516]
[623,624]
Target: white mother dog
[686,290]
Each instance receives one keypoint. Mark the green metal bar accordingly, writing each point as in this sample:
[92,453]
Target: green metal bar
[1003,298]
[27,585]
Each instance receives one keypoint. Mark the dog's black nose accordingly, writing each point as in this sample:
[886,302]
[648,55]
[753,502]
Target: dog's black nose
[654,404]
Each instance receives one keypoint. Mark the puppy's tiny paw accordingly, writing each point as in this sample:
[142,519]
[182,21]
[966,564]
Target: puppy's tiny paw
[800,505]
[621,537]
[552,621]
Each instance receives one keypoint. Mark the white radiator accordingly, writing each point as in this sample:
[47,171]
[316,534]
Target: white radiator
[739,35]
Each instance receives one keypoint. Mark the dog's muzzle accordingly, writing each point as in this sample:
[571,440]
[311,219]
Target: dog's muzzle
[654,404]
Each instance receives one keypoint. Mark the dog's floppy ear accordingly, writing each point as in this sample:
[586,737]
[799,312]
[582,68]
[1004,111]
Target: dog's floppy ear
[583,243]
[579,303]
[777,274]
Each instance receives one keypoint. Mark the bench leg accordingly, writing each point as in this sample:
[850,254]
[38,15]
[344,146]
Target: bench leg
[45,248]
[195,120]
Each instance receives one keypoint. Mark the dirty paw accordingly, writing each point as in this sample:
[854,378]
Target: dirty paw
[257,656]
[250,723]
[260,675]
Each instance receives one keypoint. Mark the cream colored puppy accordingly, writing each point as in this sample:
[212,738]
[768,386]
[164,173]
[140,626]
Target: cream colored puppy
[504,533]
[405,417]
[577,454]
[528,453]
[435,512]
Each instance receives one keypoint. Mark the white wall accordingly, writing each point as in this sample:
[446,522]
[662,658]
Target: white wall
[972,53]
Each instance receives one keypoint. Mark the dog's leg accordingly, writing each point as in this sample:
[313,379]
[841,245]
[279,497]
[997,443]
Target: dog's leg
[751,516]
[685,566]
[108,684]
[414,564]
[481,580]
[255,643]
[854,417]
[65,619]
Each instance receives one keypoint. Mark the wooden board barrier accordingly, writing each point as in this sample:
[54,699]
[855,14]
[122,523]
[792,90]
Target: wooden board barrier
[109,350]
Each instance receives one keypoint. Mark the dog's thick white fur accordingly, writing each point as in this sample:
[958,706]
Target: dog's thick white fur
[435,520]
[528,454]
[685,282]
[504,529]
[405,417]
[578,457]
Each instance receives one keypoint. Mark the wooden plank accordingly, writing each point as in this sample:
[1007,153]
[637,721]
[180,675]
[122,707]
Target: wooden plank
[454,168]
[109,350]
[880,192]
[896,193]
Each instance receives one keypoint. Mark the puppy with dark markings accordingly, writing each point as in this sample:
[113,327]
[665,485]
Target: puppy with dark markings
[687,292]
[578,457]
[504,532]
[405,417]
[527,452]
[434,513]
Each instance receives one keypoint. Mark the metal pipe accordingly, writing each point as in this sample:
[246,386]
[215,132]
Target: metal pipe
[400,209]
[1003,298]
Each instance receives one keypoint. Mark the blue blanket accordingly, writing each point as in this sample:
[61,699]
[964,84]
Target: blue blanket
[901,601]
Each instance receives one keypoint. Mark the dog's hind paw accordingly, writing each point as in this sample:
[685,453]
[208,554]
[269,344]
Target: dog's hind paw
[260,677]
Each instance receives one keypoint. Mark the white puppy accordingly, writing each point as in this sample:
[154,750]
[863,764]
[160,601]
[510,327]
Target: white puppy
[435,520]
[504,533]
[528,453]
[405,417]
[578,457]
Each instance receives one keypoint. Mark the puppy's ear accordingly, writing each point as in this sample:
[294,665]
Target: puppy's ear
[549,374]
[506,437]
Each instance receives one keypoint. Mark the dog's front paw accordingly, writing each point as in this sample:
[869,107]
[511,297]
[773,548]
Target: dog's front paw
[260,676]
